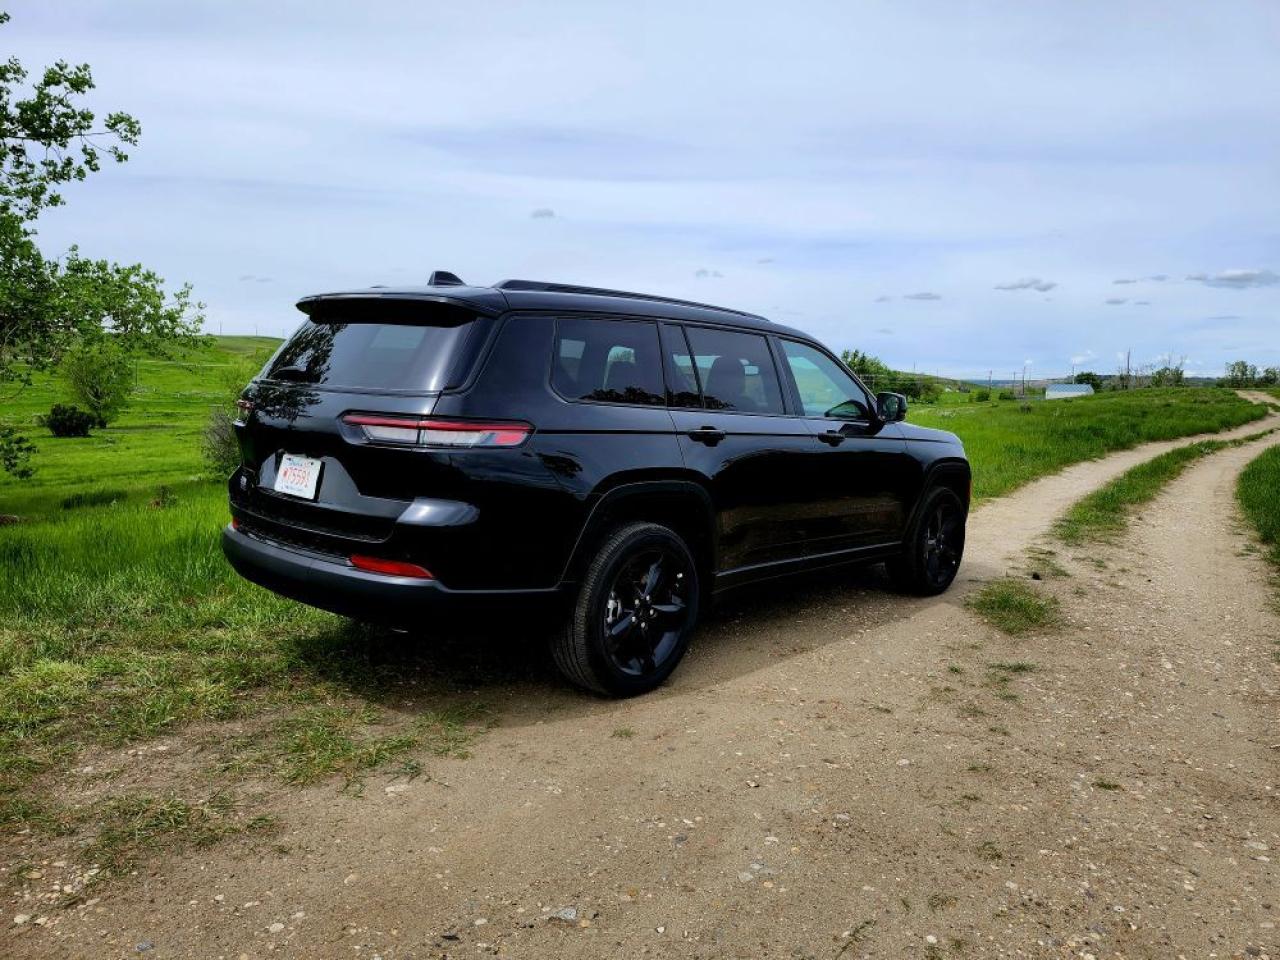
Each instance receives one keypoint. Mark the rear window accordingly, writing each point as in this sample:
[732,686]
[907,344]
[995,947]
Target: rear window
[410,347]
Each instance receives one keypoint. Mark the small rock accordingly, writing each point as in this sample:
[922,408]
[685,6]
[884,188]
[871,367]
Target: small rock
[931,939]
[480,921]
[660,929]
[276,927]
[565,914]
[22,918]
[1251,844]
[144,946]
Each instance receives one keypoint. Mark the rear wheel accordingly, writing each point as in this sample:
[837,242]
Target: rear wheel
[635,610]
[933,547]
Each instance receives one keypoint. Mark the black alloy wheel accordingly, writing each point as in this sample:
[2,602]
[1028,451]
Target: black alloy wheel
[933,547]
[646,612]
[636,608]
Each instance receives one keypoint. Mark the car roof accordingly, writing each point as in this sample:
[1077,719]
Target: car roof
[558,297]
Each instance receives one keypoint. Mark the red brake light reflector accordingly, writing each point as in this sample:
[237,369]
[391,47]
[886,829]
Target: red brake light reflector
[431,432]
[393,568]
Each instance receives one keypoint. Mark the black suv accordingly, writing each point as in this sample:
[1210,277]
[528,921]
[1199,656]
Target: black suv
[411,450]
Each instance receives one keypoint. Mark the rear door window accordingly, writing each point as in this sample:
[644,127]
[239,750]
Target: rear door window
[735,370]
[401,347]
[608,361]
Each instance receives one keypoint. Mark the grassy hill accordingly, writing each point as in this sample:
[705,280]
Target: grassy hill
[155,442]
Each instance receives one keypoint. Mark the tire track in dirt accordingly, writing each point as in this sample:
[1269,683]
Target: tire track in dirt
[835,771]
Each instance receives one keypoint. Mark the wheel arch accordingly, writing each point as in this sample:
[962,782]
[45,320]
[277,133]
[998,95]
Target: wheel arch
[953,473]
[684,506]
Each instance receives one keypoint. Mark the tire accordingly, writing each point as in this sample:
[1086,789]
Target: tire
[635,610]
[933,547]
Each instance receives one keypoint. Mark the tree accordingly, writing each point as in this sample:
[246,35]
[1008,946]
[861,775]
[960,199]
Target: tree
[872,369]
[101,378]
[49,139]
[1170,375]
[1092,379]
[1241,373]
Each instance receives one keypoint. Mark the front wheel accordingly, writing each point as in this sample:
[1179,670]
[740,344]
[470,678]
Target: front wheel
[933,547]
[635,610]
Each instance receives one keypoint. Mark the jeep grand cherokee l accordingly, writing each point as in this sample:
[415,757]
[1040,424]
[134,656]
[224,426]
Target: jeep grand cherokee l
[412,450]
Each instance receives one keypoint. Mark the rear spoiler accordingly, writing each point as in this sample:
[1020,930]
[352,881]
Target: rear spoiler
[489,303]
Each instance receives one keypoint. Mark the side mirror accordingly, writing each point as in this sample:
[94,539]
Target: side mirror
[892,407]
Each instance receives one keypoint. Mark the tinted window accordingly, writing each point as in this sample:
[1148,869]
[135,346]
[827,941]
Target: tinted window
[736,371]
[826,390]
[410,352]
[682,378]
[613,361]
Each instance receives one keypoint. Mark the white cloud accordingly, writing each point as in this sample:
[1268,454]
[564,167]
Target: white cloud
[543,213]
[926,295]
[1116,301]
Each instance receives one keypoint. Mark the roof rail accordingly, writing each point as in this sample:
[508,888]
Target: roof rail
[544,286]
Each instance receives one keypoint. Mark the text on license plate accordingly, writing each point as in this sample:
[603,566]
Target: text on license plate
[298,476]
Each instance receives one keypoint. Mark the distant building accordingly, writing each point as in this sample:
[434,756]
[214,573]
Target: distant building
[1062,391]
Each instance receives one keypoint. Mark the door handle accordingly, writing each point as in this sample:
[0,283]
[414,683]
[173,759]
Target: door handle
[833,437]
[708,435]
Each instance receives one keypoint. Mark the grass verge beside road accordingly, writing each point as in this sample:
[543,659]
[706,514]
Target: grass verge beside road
[1258,491]
[1105,513]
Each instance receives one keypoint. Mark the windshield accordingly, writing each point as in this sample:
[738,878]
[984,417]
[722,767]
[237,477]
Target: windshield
[405,347]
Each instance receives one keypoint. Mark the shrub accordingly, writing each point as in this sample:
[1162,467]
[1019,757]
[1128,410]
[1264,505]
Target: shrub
[69,421]
[100,377]
[981,396]
[219,446]
[1007,395]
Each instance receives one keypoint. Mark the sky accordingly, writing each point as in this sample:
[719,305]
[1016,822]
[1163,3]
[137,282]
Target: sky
[953,186]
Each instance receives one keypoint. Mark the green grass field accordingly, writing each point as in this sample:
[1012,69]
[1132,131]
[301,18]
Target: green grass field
[1010,442]
[155,442]
[120,620]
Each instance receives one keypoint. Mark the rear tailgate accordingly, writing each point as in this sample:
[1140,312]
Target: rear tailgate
[352,356]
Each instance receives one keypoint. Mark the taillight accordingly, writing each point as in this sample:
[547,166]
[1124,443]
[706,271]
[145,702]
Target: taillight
[431,432]
[393,568]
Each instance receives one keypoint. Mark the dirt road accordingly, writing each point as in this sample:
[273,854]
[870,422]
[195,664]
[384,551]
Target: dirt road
[834,772]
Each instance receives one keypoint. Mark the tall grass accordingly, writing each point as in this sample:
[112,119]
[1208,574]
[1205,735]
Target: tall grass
[1258,491]
[1010,443]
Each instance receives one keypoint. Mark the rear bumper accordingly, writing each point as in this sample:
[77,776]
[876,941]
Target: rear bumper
[331,584]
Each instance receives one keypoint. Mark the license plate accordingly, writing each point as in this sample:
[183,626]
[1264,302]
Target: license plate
[298,476]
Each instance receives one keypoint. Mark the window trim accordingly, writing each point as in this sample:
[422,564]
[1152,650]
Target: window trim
[798,401]
[674,328]
[767,337]
[607,318]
